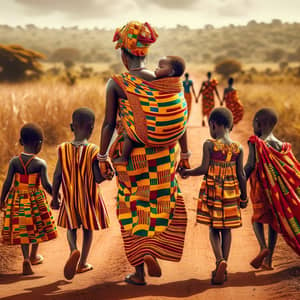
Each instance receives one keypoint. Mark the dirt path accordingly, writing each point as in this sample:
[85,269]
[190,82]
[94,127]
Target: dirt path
[189,279]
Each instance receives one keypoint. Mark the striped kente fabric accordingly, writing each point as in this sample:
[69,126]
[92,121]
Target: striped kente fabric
[278,173]
[208,98]
[28,218]
[219,196]
[167,245]
[234,104]
[82,203]
[154,113]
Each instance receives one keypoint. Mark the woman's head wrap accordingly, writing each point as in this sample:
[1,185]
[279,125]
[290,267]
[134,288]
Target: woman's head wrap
[135,37]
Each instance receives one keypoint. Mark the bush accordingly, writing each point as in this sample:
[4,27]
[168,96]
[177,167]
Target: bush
[228,67]
[16,62]
[63,54]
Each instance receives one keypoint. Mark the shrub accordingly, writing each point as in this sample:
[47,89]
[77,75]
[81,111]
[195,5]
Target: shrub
[16,61]
[228,67]
[63,54]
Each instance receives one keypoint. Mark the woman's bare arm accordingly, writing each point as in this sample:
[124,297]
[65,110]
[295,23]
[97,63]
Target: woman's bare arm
[111,109]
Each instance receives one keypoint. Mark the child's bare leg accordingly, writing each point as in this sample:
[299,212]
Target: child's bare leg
[35,258]
[34,250]
[215,240]
[25,251]
[26,264]
[226,242]
[272,239]
[260,234]
[86,246]
[72,261]
[264,251]
[72,239]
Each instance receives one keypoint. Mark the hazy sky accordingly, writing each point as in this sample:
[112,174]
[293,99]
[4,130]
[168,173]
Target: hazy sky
[169,13]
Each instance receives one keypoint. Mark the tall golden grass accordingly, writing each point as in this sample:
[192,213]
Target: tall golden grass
[284,98]
[49,104]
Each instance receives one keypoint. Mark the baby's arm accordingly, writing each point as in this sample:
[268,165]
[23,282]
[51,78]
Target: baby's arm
[250,165]
[242,178]
[57,179]
[7,183]
[96,172]
[44,178]
[201,170]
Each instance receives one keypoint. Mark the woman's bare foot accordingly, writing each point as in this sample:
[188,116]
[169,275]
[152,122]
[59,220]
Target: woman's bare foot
[267,264]
[27,267]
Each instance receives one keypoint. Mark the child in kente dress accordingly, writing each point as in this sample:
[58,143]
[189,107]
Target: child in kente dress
[223,190]
[78,171]
[27,218]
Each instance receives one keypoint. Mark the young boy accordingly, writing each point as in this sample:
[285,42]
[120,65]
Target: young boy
[78,170]
[168,66]
[274,180]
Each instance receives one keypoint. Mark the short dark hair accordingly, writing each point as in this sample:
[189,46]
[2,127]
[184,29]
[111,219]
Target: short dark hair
[178,65]
[82,116]
[31,133]
[267,116]
[208,74]
[222,116]
[187,74]
[230,80]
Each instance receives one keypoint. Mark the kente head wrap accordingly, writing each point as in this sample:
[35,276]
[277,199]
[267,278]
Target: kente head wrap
[135,37]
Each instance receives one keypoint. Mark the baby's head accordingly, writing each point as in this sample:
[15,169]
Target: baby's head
[220,119]
[170,66]
[264,121]
[83,120]
[31,136]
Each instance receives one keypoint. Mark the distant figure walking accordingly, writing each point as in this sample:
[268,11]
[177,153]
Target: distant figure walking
[188,85]
[232,102]
[208,88]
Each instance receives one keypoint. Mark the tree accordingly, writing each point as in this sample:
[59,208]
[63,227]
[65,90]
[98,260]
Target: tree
[63,54]
[228,67]
[275,55]
[16,61]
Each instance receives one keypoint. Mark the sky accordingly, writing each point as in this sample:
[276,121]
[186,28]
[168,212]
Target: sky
[161,13]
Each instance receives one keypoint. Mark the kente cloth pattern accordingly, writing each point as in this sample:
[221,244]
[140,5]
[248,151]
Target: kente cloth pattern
[147,188]
[234,104]
[27,218]
[279,176]
[167,245]
[82,202]
[208,99]
[219,196]
[135,38]
[154,113]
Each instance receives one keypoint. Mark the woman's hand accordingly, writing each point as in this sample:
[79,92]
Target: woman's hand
[106,169]
[183,173]
[243,201]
